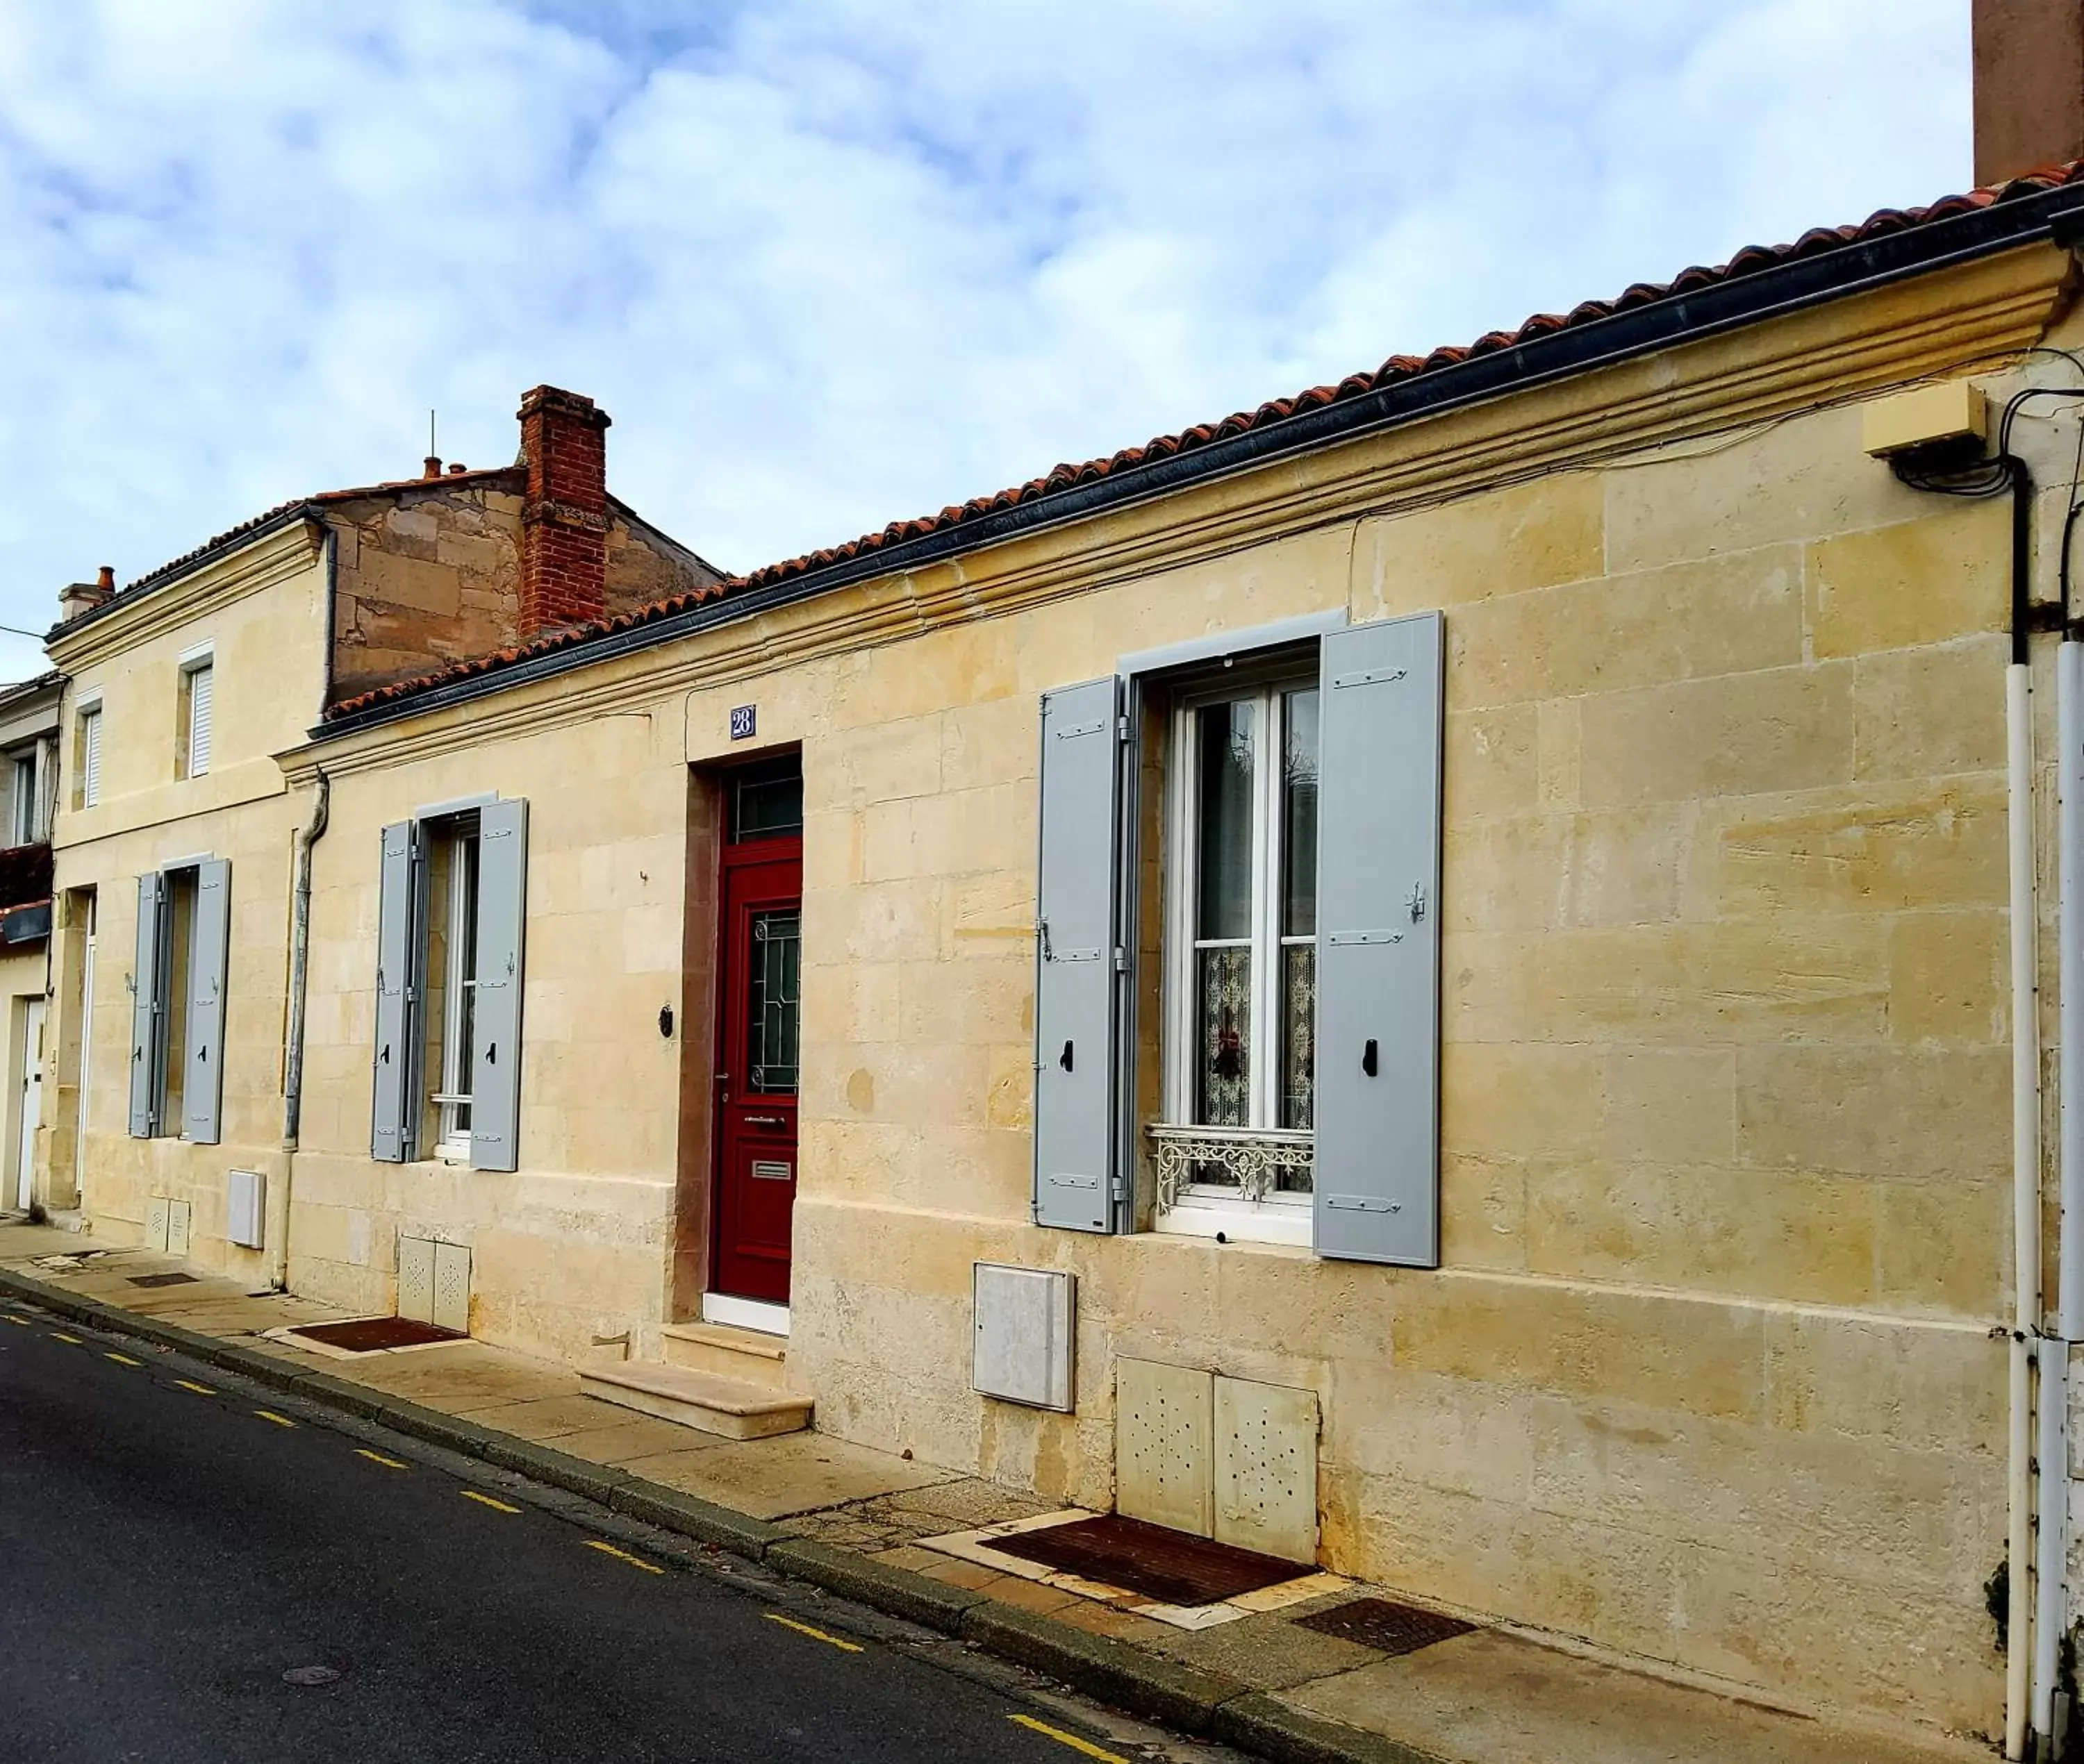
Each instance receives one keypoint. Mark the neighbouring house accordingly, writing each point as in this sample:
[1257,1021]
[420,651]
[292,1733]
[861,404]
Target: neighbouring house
[28,779]
[1420,978]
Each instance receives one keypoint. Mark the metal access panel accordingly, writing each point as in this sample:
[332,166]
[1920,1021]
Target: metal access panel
[245,1200]
[1163,1418]
[155,1222]
[178,1216]
[415,1279]
[451,1288]
[1266,1468]
[1023,1347]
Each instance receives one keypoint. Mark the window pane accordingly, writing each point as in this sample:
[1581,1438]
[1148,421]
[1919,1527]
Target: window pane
[775,1014]
[767,801]
[1223,1015]
[1298,815]
[1298,1035]
[1226,736]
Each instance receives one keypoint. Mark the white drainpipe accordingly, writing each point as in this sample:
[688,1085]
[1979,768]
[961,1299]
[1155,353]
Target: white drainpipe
[2025,1208]
[2051,1616]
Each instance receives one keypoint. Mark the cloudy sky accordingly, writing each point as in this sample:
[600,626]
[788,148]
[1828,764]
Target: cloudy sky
[830,263]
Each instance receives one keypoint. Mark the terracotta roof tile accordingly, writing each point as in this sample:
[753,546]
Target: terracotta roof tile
[1749,261]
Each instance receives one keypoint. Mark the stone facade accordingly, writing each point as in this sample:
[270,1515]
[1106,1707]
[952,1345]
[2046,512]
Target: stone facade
[1706,1378]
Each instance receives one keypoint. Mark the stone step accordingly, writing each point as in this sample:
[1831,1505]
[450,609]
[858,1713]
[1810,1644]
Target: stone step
[730,1352]
[733,1407]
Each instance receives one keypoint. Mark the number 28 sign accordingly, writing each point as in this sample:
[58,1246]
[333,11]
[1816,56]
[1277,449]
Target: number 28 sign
[744,720]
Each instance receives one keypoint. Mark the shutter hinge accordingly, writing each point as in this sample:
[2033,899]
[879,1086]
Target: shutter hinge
[1120,959]
[1121,728]
[1117,1189]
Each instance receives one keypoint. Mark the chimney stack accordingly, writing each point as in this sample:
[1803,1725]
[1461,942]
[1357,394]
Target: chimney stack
[2029,83]
[564,511]
[77,599]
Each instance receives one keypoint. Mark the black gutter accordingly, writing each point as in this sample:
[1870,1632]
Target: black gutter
[1783,287]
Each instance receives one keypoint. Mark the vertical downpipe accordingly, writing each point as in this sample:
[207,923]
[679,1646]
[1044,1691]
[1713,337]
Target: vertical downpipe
[2025,1199]
[293,1060]
[2052,1618]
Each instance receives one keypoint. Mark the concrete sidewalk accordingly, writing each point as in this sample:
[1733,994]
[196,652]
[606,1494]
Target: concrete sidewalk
[857,1521]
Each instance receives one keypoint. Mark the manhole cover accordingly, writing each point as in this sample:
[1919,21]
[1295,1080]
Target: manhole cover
[310,1675]
[1385,1625]
[162,1280]
[1169,1566]
[373,1334]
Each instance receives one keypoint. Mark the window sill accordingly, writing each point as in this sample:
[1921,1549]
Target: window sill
[1276,1224]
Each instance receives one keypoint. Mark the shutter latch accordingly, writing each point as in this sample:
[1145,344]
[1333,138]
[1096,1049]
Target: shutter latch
[1416,901]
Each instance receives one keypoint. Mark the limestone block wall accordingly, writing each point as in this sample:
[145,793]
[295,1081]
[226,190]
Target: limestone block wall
[429,575]
[262,610]
[1706,1376]
[576,1243]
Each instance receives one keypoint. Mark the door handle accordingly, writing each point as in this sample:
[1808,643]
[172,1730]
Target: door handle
[1064,1058]
[765,1120]
[1367,1057]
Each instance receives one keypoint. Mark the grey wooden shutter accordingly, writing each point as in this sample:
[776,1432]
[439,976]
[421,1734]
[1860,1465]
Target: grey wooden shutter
[1077,995]
[502,911]
[209,943]
[1377,1127]
[391,1114]
[144,1005]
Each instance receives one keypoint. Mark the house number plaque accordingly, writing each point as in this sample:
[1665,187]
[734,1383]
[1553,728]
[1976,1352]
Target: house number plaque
[744,719]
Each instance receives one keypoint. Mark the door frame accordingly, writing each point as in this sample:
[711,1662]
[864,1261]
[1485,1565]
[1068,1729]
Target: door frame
[32,1010]
[728,1029]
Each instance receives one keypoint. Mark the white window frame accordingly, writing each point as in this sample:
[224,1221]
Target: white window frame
[195,663]
[28,794]
[452,1092]
[1202,1209]
[87,727]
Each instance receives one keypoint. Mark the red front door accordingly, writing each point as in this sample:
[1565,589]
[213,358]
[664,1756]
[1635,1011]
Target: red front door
[762,945]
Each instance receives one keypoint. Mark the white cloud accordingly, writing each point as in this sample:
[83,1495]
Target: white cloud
[830,263]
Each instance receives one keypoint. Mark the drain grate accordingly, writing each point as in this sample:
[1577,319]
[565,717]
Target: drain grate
[1385,1625]
[162,1280]
[373,1334]
[1171,1567]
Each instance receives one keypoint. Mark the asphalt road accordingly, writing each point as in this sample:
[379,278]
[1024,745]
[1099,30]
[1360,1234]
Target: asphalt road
[167,1553]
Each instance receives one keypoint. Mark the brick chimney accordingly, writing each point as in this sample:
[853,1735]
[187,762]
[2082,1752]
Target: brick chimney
[564,512]
[77,599]
[2029,74]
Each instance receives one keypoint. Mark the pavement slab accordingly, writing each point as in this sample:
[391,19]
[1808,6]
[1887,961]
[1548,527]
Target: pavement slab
[1487,1696]
[796,1473]
[853,1516]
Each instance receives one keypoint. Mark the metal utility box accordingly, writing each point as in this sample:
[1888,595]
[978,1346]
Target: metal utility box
[167,1225]
[1266,1468]
[1023,1348]
[451,1307]
[1163,1424]
[246,1193]
[415,1279]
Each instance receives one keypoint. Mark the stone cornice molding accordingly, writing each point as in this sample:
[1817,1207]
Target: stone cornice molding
[270,557]
[1973,317]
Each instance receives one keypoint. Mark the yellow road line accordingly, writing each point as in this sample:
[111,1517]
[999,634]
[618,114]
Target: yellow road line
[624,1555]
[378,1457]
[1071,1739]
[200,1390]
[123,1360]
[70,1341]
[805,1629]
[486,1500]
[269,1414]
[23,1320]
